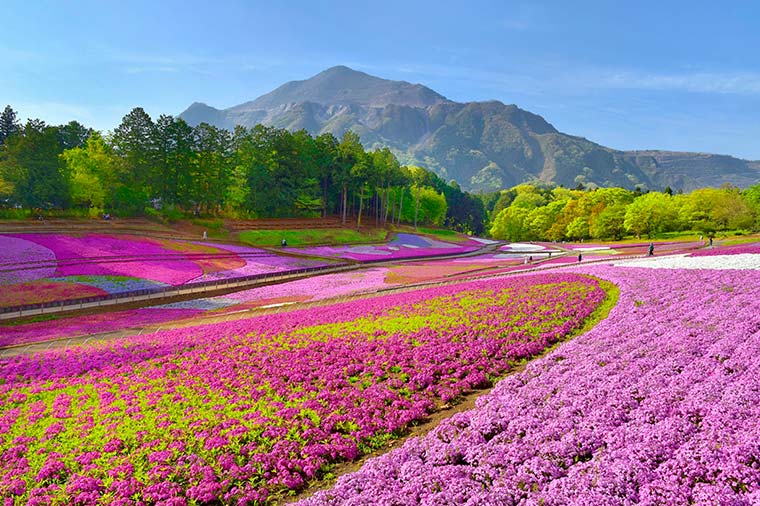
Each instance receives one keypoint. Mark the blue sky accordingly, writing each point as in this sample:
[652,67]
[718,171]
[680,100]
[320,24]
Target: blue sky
[630,75]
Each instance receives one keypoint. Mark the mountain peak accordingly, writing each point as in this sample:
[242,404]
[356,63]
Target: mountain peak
[341,85]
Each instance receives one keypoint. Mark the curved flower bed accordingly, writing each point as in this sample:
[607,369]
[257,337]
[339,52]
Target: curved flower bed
[28,333]
[139,256]
[658,404]
[43,290]
[14,248]
[237,411]
[122,263]
[312,288]
[402,246]
[262,265]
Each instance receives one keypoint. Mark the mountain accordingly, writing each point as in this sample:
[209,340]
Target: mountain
[481,145]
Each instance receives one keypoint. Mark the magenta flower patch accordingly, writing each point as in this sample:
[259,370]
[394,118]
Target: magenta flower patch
[240,411]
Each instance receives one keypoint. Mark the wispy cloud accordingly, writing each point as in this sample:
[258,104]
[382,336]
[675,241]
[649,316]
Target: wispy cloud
[149,69]
[740,83]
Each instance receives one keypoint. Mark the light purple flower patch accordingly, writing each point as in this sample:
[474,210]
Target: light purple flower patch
[20,260]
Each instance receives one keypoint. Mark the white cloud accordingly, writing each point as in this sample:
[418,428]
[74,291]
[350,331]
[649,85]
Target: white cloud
[149,69]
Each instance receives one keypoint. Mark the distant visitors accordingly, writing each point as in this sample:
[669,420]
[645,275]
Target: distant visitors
[530,259]
[284,243]
[525,260]
[205,235]
[700,237]
[711,242]
[580,257]
[651,249]
[107,217]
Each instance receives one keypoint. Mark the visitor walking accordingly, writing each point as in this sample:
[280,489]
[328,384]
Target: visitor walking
[651,249]
[580,257]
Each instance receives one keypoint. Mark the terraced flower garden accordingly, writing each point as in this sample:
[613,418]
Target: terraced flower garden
[657,404]
[51,267]
[242,412]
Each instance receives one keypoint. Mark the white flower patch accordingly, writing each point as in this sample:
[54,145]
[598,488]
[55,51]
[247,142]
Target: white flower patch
[593,248]
[518,246]
[484,241]
[744,261]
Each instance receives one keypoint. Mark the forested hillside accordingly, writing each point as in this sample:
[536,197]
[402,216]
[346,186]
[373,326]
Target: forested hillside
[168,167]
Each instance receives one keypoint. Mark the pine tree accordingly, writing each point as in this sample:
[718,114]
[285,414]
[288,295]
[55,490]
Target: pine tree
[9,124]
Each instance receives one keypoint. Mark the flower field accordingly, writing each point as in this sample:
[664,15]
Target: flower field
[735,249]
[244,411]
[658,404]
[48,267]
[402,246]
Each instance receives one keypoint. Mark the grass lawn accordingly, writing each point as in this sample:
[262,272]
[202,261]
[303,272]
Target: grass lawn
[273,238]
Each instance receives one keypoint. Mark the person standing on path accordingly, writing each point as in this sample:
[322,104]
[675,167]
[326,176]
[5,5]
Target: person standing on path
[651,249]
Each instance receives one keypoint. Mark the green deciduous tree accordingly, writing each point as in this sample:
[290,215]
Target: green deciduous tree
[650,214]
[92,172]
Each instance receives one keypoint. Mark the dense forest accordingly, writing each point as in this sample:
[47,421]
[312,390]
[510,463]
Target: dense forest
[165,167]
[169,169]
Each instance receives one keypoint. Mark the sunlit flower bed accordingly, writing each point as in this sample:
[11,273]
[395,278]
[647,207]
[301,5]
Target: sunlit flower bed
[116,264]
[240,411]
[402,246]
[738,261]
[658,404]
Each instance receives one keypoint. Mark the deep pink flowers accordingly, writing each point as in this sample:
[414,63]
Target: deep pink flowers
[238,410]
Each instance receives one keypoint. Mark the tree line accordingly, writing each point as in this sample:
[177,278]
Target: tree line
[168,167]
[539,212]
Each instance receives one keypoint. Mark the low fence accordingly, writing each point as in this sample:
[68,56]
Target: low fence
[163,292]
